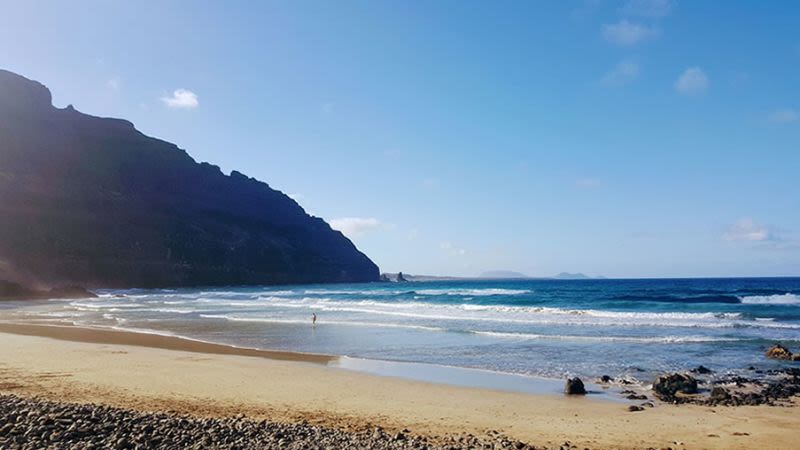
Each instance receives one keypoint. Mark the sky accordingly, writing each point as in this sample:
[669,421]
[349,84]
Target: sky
[632,138]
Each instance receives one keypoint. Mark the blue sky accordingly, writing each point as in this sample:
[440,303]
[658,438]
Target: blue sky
[645,138]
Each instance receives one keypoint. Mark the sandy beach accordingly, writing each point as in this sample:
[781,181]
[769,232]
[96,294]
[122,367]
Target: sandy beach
[158,373]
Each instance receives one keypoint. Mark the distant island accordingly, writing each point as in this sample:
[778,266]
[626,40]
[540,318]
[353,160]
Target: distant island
[92,201]
[571,276]
[502,274]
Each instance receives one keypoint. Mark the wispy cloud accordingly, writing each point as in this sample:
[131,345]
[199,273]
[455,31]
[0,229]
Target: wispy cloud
[748,230]
[654,9]
[452,249]
[181,99]
[585,9]
[392,153]
[692,81]
[114,84]
[589,183]
[355,227]
[627,33]
[431,183]
[623,73]
[327,108]
[784,116]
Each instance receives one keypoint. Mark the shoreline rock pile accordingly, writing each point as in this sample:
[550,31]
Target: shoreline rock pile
[34,424]
[731,390]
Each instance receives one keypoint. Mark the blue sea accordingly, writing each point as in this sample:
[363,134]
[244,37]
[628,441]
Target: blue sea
[635,329]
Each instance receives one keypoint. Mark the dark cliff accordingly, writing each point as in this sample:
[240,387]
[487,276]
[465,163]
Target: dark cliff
[93,201]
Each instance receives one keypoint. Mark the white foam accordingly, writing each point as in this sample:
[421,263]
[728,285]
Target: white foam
[784,299]
[473,292]
[234,318]
[656,340]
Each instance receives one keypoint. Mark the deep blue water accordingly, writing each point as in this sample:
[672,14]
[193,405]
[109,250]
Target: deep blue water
[633,328]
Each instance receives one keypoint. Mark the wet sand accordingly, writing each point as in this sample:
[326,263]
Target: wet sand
[159,373]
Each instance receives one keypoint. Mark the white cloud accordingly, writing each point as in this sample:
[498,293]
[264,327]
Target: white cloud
[748,230]
[621,74]
[627,33]
[181,99]
[452,249]
[653,9]
[692,81]
[784,116]
[354,227]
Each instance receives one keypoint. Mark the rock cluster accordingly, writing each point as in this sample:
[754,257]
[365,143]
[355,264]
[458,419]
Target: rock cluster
[778,351]
[35,424]
[731,390]
[675,387]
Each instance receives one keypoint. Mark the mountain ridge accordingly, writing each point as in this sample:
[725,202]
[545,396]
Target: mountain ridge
[94,201]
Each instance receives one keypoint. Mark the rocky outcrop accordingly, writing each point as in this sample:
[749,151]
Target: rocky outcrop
[16,291]
[778,351]
[674,386]
[574,386]
[92,201]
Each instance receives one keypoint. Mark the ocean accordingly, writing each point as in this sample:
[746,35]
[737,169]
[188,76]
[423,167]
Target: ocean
[634,329]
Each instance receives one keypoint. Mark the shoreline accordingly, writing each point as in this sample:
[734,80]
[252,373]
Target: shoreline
[414,371]
[96,335]
[220,385]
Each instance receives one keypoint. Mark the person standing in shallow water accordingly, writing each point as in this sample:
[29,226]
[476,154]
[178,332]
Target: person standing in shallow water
[313,319]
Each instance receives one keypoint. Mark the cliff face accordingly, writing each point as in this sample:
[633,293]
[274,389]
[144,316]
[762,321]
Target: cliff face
[93,201]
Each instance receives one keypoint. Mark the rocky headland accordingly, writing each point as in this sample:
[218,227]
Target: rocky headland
[92,201]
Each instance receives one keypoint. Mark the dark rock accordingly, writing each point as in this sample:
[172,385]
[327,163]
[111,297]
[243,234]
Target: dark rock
[636,397]
[668,387]
[635,408]
[778,351]
[92,201]
[703,370]
[606,379]
[401,278]
[574,386]
[719,394]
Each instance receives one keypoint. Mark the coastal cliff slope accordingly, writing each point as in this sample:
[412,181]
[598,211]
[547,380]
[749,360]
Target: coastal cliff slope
[93,201]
